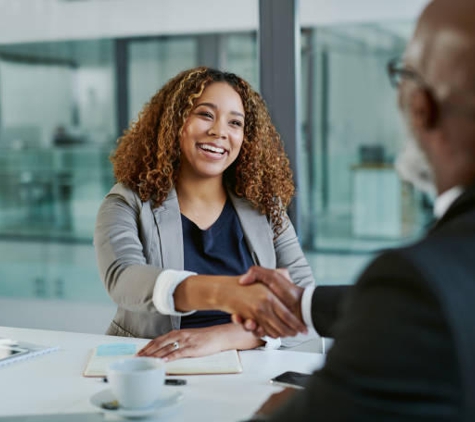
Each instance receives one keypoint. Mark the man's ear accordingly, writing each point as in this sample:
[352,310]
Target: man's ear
[424,110]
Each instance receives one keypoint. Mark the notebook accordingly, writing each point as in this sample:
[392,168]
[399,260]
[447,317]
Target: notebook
[102,356]
[13,350]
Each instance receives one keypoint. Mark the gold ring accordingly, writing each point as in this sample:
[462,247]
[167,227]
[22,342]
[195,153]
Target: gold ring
[176,345]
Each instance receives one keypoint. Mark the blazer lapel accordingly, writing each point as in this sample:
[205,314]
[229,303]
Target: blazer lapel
[168,224]
[257,232]
[256,228]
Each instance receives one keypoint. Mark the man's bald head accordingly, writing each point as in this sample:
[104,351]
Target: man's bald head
[443,48]
[439,105]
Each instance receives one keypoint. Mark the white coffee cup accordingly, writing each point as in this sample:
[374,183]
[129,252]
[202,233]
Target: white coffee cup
[136,382]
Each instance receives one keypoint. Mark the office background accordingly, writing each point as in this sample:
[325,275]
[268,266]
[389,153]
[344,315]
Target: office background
[75,73]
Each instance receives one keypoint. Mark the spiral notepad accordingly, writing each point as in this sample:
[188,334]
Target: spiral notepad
[13,351]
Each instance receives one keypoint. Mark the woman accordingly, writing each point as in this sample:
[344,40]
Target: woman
[203,182]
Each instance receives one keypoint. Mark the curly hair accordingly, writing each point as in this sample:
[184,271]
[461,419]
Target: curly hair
[147,157]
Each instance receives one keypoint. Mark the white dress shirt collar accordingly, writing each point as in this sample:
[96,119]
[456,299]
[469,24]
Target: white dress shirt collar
[445,200]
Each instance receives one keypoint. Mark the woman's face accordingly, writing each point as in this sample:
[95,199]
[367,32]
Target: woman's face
[213,133]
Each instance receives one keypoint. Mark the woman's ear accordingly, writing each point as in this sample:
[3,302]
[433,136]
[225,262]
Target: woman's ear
[424,110]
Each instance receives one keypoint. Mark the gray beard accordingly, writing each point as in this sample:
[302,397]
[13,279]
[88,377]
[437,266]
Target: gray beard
[412,166]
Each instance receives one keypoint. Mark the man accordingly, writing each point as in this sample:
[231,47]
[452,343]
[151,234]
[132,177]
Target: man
[405,342]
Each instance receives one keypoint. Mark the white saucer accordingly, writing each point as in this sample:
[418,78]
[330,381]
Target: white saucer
[168,400]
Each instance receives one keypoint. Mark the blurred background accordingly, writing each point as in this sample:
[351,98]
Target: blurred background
[75,73]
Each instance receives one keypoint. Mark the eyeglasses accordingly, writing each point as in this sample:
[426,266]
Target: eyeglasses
[397,71]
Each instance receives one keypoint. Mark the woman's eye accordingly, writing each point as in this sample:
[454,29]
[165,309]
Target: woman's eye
[205,114]
[237,123]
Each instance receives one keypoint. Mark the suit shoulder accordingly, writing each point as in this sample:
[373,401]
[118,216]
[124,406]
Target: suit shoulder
[125,193]
[402,268]
[426,265]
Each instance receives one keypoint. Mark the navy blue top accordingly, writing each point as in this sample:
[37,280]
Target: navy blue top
[219,250]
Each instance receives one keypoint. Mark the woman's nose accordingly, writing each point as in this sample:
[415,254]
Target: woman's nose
[218,129]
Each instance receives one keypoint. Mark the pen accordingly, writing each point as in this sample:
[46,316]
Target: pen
[168,381]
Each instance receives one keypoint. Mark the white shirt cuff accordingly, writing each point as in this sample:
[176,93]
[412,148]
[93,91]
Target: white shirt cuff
[271,343]
[306,306]
[165,286]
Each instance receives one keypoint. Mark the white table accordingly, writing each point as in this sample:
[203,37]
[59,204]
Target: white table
[53,383]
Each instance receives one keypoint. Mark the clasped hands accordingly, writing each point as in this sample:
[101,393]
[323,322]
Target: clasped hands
[272,308]
[262,301]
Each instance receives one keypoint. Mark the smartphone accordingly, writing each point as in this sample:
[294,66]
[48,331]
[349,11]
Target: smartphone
[291,379]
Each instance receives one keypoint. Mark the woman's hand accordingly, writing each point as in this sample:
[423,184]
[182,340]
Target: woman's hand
[193,342]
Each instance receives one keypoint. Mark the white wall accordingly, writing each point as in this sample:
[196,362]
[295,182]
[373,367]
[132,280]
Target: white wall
[330,12]
[27,20]
[41,20]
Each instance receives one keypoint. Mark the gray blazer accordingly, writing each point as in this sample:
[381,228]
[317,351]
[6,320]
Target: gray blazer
[135,242]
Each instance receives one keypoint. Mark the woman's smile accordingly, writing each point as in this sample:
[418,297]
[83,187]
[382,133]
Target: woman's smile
[212,151]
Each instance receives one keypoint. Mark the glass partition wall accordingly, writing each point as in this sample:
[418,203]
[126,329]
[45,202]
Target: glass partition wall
[353,203]
[57,128]
[59,121]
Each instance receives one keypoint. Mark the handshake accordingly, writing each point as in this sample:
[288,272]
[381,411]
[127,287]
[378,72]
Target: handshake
[265,302]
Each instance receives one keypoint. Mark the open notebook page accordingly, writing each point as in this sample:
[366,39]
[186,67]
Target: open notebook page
[102,356]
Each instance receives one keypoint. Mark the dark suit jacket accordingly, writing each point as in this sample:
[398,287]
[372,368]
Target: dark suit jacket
[404,345]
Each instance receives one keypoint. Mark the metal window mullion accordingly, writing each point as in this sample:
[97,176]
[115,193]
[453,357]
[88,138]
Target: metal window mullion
[122,84]
[279,58]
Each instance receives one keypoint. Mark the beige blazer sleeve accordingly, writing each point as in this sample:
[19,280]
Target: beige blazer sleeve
[134,244]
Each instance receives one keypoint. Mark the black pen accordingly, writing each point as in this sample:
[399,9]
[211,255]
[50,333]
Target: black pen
[168,381]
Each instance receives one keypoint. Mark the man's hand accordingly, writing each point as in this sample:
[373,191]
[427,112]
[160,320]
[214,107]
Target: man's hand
[256,302]
[279,283]
[275,401]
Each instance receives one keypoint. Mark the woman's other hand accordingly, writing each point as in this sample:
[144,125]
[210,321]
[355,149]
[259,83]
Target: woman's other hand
[194,342]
